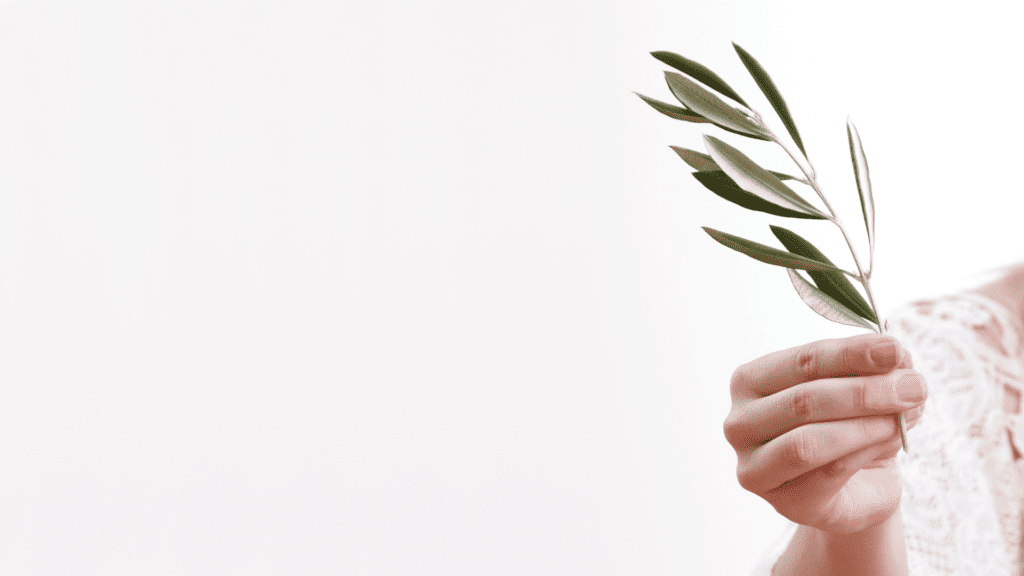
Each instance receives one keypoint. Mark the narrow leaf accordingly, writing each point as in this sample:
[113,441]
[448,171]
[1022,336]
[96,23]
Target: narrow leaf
[754,179]
[705,163]
[781,176]
[699,72]
[696,160]
[712,107]
[767,254]
[834,284]
[673,111]
[764,82]
[860,171]
[824,304]
[719,182]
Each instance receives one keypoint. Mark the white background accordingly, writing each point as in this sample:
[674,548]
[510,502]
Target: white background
[418,287]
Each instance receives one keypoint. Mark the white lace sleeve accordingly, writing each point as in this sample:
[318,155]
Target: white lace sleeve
[960,463]
[962,486]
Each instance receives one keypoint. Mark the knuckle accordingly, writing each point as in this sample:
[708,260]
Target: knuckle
[747,478]
[865,394]
[799,451]
[803,404]
[862,393]
[731,428]
[739,383]
[807,361]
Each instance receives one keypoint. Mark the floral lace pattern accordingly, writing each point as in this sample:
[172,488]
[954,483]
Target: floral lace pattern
[962,480]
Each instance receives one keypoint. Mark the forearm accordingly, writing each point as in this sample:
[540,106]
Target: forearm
[877,551]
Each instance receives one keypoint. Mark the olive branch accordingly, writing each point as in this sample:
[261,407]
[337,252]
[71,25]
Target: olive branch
[733,176]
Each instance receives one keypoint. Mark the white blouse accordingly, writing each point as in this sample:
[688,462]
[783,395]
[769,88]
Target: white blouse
[962,479]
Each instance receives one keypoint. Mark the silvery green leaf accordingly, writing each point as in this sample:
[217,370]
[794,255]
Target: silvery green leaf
[696,160]
[834,284]
[824,304]
[754,179]
[767,86]
[767,254]
[698,72]
[860,171]
[705,163]
[673,111]
[719,182]
[705,103]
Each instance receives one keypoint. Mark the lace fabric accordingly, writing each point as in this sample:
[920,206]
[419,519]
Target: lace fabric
[962,479]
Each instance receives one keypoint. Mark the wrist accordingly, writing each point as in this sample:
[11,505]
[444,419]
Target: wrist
[880,550]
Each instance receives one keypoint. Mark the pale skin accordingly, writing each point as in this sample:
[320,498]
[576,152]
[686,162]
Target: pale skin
[815,433]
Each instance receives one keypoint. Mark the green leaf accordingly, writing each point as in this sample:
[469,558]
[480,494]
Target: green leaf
[824,304]
[764,82]
[705,163]
[756,180]
[699,72]
[719,182]
[767,254]
[696,160]
[860,171]
[834,284]
[781,176]
[673,111]
[703,102]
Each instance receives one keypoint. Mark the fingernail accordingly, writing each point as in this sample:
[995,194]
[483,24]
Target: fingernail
[885,354]
[910,389]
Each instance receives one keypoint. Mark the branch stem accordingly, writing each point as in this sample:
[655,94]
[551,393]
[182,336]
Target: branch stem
[864,278]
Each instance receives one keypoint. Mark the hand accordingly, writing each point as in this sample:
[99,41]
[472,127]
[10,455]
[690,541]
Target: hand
[815,429]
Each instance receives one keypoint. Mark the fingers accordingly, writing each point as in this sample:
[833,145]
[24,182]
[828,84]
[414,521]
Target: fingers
[817,498]
[760,420]
[858,355]
[808,447]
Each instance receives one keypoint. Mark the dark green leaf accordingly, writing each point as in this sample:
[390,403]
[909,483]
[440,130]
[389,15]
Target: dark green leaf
[824,304]
[767,254]
[719,182]
[705,103]
[764,82]
[673,111]
[834,284]
[754,179]
[860,171]
[699,72]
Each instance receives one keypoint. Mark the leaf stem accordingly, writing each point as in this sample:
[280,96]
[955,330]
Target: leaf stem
[864,278]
